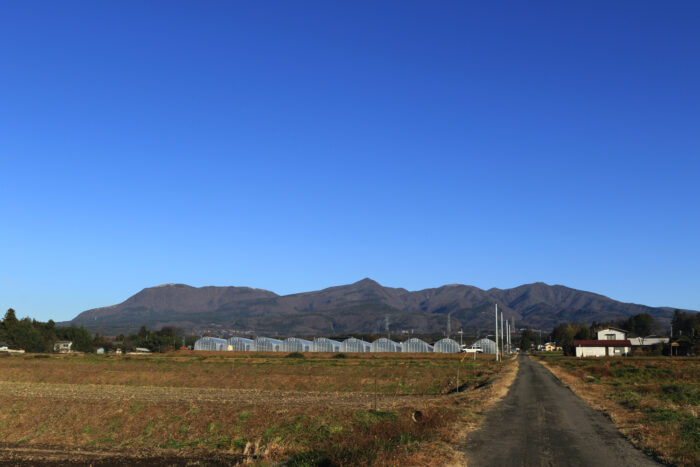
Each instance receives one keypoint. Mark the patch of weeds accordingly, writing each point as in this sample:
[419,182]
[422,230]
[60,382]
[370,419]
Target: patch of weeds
[172,444]
[136,408]
[313,458]
[340,355]
[86,430]
[114,423]
[109,439]
[681,393]
[373,416]
[148,430]
[219,442]
[295,355]
[239,443]
[630,399]
[213,427]
[244,415]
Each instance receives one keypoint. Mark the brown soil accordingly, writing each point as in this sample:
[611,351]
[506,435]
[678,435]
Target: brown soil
[165,395]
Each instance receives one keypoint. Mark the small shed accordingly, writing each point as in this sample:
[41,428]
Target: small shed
[63,346]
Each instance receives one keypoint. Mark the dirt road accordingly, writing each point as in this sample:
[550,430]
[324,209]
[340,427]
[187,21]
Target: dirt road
[542,423]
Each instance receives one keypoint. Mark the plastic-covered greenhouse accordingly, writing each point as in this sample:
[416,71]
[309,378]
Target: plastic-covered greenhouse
[323,344]
[240,344]
[414,345]
[267,344]
[486,345]
[294,344]
[353,344]
[210,343]
[446,345]
[385,345]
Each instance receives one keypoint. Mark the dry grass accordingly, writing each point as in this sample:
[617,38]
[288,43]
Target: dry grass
[310,410]
[654,401]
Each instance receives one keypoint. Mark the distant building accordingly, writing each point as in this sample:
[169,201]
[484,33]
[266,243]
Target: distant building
[648,341]
[3,347]
[602,348]
[63,347]
[612,334]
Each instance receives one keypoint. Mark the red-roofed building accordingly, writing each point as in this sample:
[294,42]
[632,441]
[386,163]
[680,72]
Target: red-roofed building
[602,347]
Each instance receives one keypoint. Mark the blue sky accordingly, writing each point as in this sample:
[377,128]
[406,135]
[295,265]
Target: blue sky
[293,146]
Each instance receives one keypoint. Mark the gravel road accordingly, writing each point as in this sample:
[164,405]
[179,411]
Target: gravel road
[540,422]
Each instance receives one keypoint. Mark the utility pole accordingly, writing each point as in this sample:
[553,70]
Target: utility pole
[497,332]
[502,340]
[460,338]
[508,334]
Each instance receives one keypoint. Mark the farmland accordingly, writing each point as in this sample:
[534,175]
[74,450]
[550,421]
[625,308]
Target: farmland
[654,401]
[228,407]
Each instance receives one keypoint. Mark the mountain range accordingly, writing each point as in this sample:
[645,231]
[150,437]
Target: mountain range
[362,307]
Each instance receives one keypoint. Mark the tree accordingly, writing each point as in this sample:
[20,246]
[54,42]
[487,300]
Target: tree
[639,325]
[526,340]
[10,318]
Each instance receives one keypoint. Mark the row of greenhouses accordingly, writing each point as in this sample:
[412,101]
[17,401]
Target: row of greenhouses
[323,344]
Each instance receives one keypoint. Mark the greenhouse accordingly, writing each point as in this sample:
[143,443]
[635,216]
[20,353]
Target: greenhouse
[446,345]
[385,345]
[210,343]
[267,344]
[294,344]
[355,345]
[486,346]
[414,345]
[240,344]
[323,344]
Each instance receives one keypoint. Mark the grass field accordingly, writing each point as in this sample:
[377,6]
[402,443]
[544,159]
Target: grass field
[349,409]
[655,401]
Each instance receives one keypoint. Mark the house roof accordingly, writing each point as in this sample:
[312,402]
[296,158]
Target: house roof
[613,328]
[603,343]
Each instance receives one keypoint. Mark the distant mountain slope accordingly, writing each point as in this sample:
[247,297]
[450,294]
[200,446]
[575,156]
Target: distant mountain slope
[360,307]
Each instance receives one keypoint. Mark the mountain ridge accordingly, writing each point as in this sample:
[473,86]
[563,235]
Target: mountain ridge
[360,307]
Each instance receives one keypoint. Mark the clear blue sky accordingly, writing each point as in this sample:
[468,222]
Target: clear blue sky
[297,145]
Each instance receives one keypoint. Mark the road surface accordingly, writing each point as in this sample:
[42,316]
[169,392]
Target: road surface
[540,422]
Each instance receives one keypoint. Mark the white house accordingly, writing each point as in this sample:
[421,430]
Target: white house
[612,334]
[611,342]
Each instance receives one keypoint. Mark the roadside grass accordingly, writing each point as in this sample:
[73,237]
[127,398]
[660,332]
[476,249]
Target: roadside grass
[655,400]
[301,435]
